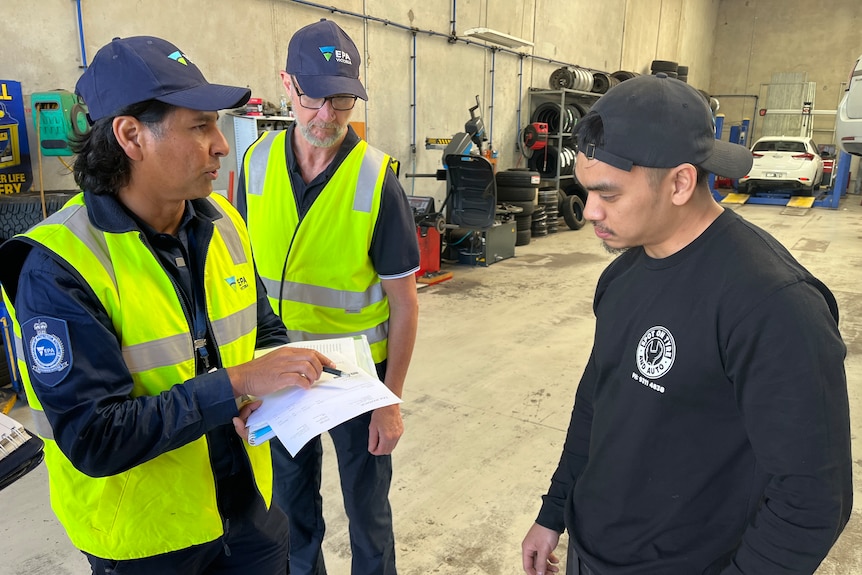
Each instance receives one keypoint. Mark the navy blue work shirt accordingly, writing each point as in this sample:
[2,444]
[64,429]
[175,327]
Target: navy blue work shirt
[95,421]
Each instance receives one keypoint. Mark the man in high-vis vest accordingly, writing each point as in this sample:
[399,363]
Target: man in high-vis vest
[335,243]
[137,313]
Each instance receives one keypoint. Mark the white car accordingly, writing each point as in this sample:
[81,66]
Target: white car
[784,163]
[848,126]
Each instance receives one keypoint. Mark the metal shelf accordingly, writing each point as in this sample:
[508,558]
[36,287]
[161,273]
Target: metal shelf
[562,97]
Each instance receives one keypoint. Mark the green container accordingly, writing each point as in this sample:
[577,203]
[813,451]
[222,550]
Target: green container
[58,116]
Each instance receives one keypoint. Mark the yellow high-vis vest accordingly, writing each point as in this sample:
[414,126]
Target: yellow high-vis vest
[327,287]
[167,503]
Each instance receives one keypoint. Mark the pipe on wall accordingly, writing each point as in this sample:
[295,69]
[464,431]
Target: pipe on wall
[452,38]
[491,107]
[81,35]
[413,109]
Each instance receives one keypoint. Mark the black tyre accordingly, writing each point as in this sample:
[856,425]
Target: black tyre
[601,82]
[561,78]
[523,222]
[623,75]
[20,212]
[515,195]
[517,179]
[664,66]
[576,189]
[522,237]
[546,163]
[573,213]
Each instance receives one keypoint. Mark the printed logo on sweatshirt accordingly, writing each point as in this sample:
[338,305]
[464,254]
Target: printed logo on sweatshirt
[654,356]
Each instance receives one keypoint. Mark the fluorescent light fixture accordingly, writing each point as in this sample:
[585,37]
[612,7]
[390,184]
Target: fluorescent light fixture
[495,37]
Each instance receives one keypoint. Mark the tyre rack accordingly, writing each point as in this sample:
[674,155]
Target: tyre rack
[560,133]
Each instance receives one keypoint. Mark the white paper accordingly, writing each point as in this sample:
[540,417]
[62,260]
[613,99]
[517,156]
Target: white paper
[12,435]
[297,415]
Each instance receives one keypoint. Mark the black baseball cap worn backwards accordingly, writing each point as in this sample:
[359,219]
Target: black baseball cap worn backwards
[325,61]
[661,122]
[136,69]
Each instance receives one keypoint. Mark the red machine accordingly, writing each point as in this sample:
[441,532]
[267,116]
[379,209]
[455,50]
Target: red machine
[429,226]
[535,135]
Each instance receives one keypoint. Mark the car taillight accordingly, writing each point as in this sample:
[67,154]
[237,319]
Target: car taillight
[850,79]
[756,155]
[805,156]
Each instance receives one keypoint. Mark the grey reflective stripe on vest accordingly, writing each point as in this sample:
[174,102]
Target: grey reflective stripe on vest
[158,353]
[349,301]
[372,161]
[229,234]
[19,348]
[229,329]
[40,424]
[256,173]
[75,218]
[374,334]
[176,349]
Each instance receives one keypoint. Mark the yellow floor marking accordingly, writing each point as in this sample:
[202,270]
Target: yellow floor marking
[801,202]
[735,198]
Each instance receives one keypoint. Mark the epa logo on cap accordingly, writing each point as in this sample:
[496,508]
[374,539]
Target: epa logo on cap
[340,55]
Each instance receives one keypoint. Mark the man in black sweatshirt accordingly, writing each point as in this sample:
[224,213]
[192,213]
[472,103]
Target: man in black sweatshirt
[710,432]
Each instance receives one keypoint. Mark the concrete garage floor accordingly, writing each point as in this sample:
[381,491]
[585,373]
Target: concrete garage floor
[487,402]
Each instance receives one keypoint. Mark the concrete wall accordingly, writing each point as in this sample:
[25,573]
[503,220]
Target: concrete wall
[245,43]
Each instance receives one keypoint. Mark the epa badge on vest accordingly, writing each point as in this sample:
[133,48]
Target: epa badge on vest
[48,344]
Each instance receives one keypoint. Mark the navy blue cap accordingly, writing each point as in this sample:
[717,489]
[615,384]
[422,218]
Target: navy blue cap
[132,70]
[661,122]
[325,61]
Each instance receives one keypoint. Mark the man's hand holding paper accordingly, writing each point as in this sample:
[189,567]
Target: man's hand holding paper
[298,414]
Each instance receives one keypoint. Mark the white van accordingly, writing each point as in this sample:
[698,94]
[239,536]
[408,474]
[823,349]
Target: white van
[849,123]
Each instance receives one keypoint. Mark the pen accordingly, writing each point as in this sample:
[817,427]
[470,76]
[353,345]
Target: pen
[333,371]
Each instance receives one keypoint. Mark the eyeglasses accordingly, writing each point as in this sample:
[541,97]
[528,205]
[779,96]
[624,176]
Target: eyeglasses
[338,103]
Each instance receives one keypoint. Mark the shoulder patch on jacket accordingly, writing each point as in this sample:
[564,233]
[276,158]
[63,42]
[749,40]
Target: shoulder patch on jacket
[48,350]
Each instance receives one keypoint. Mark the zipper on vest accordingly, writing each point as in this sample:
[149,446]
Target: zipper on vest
[224,539]
[202,353]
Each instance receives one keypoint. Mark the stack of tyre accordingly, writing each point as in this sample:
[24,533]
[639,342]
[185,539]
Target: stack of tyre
[548,160]
[539,223]
[519,187]
[549,199]
[668,67]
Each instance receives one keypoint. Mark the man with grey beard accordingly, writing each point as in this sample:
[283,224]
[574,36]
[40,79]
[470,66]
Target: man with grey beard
[335,244]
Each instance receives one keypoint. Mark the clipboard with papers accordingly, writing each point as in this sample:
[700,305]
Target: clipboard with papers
[20,452]
[296,415]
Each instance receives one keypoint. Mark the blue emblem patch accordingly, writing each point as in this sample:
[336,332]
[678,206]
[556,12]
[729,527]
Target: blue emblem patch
[48,346]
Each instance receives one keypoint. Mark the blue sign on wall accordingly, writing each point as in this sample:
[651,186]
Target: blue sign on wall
[15,173]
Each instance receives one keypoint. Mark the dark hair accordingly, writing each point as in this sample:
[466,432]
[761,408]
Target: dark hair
[101,166]
[591,129]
